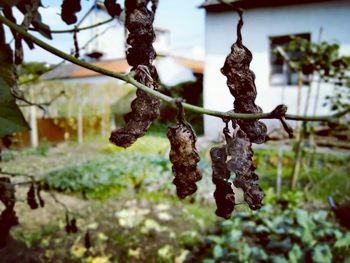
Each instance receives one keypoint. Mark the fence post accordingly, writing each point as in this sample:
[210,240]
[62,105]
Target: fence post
[80,124]
[34,138]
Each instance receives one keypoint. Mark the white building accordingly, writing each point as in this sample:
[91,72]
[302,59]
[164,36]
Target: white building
[265,22]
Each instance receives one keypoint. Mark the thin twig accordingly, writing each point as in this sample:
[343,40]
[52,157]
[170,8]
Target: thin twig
[77,29]
[31,177]
[42,104]
[129,79]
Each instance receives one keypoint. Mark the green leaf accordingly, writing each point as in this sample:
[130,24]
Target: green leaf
[322,254]
[218,251]
[343,242]
[295,254]
[258,254]
[216,239]
[11,118]
[279,259]
[235,235]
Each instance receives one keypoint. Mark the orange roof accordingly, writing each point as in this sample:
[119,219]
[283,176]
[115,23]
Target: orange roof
[119,66]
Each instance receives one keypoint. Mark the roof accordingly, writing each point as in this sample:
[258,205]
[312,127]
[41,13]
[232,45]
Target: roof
[71,71]
[225,5]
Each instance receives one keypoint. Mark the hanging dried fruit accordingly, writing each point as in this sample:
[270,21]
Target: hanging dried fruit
[240,80]
[140,55]
[8,216]
[71,224]
[184,156]
[145,109]
[240,153]
[38,194]
[31,198]
[224,195]
[113,8]
[238,149]
[69,10]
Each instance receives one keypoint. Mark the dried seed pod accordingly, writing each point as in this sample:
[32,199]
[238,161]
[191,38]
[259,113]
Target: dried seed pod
[113,8]
[224,195]
[69,10]
[31,199]
[240,153]
[8,216]
[8,219]
[7,192]
[87,240]
[145,109]
[140,55]
[139,22]
[71,224]
[240,80]
[184,156]
[38,194]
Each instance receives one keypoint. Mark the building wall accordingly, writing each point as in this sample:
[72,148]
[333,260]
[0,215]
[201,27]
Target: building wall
[110,40]
[259,25]
[111,37]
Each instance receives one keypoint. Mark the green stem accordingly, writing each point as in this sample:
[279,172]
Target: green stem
[129,79]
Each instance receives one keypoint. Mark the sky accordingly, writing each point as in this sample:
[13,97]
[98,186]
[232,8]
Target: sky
[182,17]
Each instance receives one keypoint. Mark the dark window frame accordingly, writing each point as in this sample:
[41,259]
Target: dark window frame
[278,65]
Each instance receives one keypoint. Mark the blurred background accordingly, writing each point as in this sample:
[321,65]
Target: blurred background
[123,200]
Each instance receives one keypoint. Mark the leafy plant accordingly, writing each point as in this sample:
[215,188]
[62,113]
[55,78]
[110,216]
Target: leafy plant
[276,235]
[105,175]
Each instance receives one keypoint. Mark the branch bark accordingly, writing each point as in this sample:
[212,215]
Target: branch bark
[128,78]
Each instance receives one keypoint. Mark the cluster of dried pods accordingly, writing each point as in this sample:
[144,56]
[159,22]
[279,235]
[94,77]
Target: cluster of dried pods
[236,155]
[233,157]
[8,217]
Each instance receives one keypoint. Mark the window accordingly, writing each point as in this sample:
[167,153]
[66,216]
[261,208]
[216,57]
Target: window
[281,72]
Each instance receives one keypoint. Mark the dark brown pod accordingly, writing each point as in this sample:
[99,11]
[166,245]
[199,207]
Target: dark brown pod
[113,8]
[240,80]
[145,109]
[240,153]
[224,195]
[184,156]
[38,194]
[69,10]
[31,199]
[140,55]
[8,216]
[87,240]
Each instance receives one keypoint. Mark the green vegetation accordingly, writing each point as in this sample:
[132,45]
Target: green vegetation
[131,211]
[276,235]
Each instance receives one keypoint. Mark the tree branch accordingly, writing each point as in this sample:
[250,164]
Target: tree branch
[42,104]
[78,29]
[129,79]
